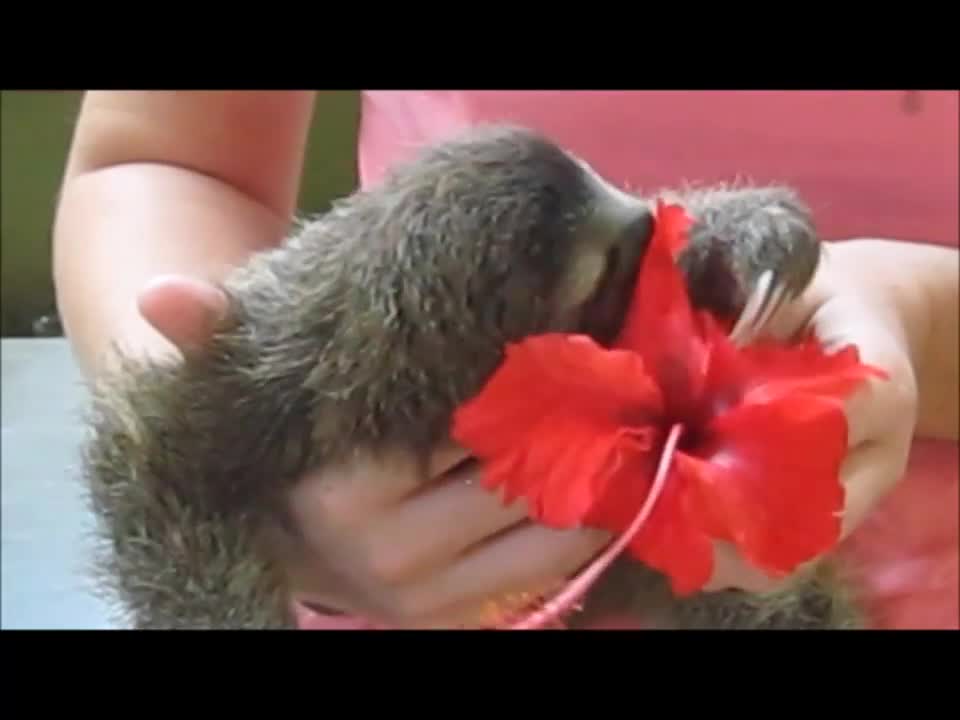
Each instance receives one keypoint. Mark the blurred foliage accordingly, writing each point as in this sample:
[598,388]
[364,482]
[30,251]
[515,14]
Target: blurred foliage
[36,130]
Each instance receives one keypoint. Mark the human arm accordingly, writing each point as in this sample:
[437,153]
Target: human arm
[898,303]
[168,183]
[914,287]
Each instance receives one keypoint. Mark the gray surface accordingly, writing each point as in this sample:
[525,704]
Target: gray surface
[45,525]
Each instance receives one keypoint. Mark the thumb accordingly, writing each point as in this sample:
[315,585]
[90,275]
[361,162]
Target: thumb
[184,310]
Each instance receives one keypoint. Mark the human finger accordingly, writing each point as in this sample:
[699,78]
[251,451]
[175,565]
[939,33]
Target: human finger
[869,473]
[445,458]
[332,508]
[435,526]
[369,482]
[182,309]
[372,520]
[527,557]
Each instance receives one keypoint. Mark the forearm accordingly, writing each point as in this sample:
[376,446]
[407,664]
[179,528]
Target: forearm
[119,227]
[158,183]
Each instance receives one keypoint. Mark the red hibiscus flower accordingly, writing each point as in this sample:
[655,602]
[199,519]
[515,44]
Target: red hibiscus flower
[577,431]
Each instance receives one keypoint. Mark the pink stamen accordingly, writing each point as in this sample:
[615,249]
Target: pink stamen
[570,595]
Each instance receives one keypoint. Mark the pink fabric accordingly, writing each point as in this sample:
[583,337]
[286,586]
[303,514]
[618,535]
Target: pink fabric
[867,161]
[904,559]
[882,164]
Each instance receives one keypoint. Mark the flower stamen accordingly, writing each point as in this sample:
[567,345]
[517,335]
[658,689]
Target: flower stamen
[567,598]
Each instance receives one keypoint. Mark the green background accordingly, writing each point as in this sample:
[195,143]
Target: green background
[36,131]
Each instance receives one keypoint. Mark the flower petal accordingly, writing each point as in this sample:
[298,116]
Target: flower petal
[555,419]
[806,367]
[661,324]
[770,473]
[630,480]
[765,370]
[672,541]
[673,226]
[726,375]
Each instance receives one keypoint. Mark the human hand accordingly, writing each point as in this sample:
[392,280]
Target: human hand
[843,306]
[414,543]
[406,542]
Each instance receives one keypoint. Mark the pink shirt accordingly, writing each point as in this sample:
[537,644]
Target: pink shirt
[882,164]
[870,163]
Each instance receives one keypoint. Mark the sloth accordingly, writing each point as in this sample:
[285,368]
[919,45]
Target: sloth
[365,331]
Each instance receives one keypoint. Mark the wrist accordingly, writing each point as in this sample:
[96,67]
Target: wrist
[935,358]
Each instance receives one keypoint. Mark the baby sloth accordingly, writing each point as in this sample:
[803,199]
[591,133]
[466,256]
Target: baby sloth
[365,331]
